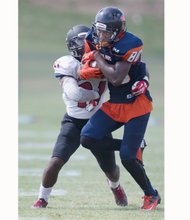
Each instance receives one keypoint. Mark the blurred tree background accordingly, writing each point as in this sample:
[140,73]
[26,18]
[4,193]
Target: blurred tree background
[43,25]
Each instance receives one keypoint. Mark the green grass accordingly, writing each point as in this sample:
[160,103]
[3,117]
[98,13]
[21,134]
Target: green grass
[42,40]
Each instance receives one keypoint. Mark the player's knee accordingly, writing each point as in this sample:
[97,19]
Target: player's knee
[86,142]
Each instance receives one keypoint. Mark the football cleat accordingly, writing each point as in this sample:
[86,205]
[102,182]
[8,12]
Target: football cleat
[40,203]
[151,202]
[120,196]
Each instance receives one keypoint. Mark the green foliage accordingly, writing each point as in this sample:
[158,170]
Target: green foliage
[44,30]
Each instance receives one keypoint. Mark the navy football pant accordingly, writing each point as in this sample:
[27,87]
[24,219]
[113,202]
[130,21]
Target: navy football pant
[93,136]
[100,125]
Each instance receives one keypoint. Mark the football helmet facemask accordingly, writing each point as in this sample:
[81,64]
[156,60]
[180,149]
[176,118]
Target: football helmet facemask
[109,25]
[75,40]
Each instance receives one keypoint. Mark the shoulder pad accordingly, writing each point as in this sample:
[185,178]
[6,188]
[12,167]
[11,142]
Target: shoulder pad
[66,66]
[127,43]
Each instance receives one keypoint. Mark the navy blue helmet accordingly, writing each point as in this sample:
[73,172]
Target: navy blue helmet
[110,23]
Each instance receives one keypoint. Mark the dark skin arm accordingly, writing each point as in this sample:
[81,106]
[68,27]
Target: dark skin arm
[114,73]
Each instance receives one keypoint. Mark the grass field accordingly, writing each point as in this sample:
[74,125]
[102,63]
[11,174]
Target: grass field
[81,191]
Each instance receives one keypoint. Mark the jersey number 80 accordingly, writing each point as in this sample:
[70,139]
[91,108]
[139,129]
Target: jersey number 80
[135,55]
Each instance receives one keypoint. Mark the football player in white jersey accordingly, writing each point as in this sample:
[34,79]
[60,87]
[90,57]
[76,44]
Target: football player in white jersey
[82,99]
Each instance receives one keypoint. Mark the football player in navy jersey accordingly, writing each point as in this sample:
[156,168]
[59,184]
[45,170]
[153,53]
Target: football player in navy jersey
[117,54]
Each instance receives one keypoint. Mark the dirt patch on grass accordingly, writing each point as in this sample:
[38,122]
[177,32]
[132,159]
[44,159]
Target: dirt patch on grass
[141,7]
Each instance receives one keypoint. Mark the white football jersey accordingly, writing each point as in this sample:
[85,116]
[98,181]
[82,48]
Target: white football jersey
[69,66]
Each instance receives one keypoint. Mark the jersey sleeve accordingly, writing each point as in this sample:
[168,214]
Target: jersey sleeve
[133,49]
[66,66]
[133,55]
[74,92]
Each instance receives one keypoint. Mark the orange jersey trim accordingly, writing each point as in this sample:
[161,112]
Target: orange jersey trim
[125,111]
[139,154]
[133,55]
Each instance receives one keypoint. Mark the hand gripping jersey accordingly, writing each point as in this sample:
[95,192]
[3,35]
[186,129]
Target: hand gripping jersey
[129,49]
[68,66]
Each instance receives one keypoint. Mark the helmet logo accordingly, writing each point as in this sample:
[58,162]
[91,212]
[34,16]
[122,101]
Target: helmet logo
[82,34]
[101,26]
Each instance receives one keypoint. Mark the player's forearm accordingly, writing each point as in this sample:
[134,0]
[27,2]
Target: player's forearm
[114,73]
[107,69]
[84,95]
[74,92]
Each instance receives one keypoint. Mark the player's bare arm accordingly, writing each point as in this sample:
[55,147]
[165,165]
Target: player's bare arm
[114,73]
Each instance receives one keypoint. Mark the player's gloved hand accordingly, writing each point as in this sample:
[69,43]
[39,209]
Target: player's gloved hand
[88,56]
[88,72]
[139,87]
[91,105]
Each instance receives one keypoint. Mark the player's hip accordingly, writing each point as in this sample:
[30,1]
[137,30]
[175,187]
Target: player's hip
[122,112]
